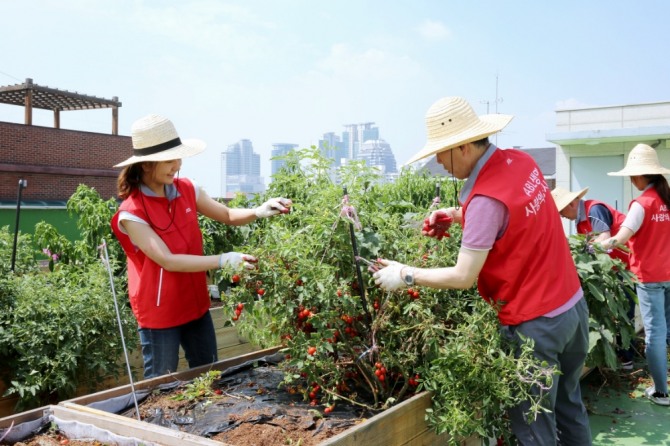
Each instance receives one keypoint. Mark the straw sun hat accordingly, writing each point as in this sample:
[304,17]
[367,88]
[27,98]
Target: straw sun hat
[564,197]
[642,160]
[155,139]
[451,122]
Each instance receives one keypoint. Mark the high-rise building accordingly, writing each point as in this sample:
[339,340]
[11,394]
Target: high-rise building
[333,147]
[241,170]
[377,153]
[280,149]
[357,134]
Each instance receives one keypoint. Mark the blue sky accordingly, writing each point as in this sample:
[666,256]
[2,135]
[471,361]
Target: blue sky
[290,70]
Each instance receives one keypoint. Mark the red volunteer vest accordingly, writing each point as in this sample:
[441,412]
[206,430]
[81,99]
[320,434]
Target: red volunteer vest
[585,227]
[529,271]
[161,298]
[649,257]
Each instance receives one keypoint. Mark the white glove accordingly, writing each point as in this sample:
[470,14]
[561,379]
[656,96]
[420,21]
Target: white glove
[237,260]
[389,278]
[273,206]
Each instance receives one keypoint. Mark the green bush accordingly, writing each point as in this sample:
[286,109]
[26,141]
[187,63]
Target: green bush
[58,329]
[603,280]
[60,332]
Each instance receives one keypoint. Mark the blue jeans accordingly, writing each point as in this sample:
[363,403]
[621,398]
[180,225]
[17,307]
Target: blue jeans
[654,301]
[160,347]
[562,341]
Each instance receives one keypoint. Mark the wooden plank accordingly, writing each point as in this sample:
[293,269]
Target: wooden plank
[22,417]
[130,427]
[403,424]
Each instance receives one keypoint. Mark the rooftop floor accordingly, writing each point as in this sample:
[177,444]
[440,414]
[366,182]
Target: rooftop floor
[619,412]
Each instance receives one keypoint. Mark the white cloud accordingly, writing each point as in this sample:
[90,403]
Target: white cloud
[434,31]
[369,64]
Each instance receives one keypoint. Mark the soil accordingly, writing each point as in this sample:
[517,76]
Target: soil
[54,438]
[248,408]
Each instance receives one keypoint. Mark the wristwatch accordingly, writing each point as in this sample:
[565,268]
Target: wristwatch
[408,276]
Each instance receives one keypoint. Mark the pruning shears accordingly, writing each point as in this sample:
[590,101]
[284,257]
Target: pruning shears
[372,264]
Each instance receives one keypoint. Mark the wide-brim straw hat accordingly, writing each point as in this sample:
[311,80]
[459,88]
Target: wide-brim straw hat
[642,160]
[155,139]
[451,121]
[563,197]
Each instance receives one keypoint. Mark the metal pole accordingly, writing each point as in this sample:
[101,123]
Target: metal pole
[22,183]
[359,276]
[118,319]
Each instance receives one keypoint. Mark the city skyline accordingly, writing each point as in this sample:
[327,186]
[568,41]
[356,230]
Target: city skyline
[279,71]
[358,142]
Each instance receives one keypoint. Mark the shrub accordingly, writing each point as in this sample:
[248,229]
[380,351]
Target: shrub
[58,329]
[604,281]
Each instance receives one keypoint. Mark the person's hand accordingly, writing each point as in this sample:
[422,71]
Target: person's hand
[389,277]
[274,206]
[437,224]
[236,260]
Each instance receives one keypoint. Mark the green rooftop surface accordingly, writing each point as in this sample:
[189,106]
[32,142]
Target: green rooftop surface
[619,413]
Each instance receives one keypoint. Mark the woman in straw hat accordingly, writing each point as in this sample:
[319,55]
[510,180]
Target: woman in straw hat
[647,227]
[157,225]
[599,220]
[513,245]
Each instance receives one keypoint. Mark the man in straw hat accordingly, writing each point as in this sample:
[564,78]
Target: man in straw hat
[157,225]
[647,227]
[514,246]
[598,220]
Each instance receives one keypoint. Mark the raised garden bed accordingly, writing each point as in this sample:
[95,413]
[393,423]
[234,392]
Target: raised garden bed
[242,414]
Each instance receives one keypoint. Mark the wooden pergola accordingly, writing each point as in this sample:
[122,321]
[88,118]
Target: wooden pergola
[31,96]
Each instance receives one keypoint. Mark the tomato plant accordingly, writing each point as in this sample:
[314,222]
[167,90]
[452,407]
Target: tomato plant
[339,331]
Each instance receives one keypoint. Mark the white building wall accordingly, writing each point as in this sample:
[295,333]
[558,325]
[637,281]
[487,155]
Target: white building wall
[610,133]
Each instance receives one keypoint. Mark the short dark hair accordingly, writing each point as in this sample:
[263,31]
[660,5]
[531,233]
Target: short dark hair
[482,143]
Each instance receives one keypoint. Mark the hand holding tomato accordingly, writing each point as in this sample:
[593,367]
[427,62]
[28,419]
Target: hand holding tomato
[274,206]
[237,260]
[437,224]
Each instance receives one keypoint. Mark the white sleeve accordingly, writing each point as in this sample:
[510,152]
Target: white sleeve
[197,190]
[125,215]
[634,217]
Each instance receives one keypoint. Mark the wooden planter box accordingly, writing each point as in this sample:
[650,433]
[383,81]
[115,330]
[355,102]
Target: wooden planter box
[401,425]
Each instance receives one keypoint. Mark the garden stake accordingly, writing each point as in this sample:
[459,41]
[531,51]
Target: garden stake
[359,276]
[105,260]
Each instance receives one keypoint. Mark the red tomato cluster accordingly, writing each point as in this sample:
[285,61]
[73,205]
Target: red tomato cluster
[380,371]
[439,228]
[414,381]
[314,393]
[238,311]
[414,294]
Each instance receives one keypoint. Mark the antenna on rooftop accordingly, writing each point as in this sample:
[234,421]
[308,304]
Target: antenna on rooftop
[496,102]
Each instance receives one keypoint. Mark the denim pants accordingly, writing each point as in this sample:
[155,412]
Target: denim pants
[654,299]
[160,347]
[562,341]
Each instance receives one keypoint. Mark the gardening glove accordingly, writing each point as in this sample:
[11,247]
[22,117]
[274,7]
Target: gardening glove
[437,224]
[274,206]
[389,277]
[236,260]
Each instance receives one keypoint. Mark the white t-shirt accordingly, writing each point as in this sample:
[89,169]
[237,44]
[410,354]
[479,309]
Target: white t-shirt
[634,218]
